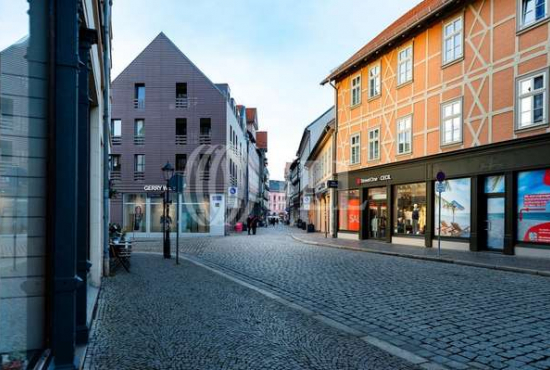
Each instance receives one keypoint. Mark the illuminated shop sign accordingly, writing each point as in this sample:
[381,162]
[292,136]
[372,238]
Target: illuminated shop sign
[373,179]
[154,187]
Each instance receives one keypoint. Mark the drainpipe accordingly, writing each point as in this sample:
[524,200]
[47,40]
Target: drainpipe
[334,198]
[106,129]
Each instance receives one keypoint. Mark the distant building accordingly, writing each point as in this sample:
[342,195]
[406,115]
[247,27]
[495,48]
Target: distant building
[277,198]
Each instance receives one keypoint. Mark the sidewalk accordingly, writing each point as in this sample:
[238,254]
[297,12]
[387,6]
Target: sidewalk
[496,261]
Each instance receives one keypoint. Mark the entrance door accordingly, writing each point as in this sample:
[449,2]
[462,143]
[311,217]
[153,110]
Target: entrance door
[495,223]
[378,216]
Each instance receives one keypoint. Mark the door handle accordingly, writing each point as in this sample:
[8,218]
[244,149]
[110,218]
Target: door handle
[488,225]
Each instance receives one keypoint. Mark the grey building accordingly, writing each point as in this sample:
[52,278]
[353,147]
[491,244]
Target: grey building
[166,110]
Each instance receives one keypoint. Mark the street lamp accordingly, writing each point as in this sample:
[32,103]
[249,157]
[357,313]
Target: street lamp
[167,172]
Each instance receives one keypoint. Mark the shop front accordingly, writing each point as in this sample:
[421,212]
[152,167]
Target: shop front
[494,198]
[142,214]
[320,214]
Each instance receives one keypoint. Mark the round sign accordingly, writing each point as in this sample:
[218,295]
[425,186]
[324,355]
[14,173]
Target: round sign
[232,191]
[440,176]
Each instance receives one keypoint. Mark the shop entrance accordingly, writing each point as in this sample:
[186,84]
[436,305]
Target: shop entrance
[378,213]
[495,213]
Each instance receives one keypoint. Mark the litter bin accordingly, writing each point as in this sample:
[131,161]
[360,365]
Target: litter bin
[239,227]
[310,228]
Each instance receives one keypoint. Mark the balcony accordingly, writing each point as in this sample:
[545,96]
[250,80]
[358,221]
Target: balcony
[115,175]
[116,140]
[139,176]
[139,140]
[139,103]
[205,139]
[181,139]
[182,103]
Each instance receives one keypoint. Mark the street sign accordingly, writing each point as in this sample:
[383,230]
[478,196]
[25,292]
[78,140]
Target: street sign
[440,176]
[233,191]
[332,184]
[440,187]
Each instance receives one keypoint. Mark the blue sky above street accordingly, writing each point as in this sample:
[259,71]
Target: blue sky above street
[272,53]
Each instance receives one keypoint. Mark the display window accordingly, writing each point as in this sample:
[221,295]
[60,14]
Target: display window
[135,208]
[410,209]
[533,206]
[455,209]
[349,210]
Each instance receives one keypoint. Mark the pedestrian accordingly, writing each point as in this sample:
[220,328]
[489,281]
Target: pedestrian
[249,223]
[254,224]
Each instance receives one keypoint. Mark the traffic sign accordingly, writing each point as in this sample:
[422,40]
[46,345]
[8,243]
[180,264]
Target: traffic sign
[233,191]
[440,176]
[440,187]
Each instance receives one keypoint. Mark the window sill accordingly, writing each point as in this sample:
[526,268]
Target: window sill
[406,83]
[452,62]
[374,160]
[404,154]
[521,30]
[355,105]
[372,98]
[451,144]
[531,128]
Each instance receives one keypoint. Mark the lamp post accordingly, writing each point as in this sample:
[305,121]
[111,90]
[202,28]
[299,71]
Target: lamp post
[167,172]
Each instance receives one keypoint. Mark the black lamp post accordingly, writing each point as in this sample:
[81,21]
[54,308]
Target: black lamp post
[167,172]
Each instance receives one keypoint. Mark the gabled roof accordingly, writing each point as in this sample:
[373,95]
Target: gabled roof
[415,18]
[162,38]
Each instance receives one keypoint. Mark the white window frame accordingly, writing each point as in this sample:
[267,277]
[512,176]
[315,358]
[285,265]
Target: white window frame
[404,62]
[375,80]
[451,119]
[373,141]
[451,37]
[521,24]
[403,131]
[113,121]
[531,94]
[356,88]
[356,146]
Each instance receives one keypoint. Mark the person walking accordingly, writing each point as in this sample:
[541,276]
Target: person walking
[249,223]
[254,224]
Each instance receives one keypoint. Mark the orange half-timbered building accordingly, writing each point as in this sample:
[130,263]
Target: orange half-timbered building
[457,87]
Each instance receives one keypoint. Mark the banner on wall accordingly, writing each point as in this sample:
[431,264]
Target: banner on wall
[353,215]
[534,206]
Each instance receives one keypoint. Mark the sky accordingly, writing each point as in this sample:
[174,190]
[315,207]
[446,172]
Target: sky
[272,53]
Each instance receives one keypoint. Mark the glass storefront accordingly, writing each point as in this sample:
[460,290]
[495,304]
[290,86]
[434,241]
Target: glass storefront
[410,209]
[455,209]
[378,213]
[349,210]
[23,160]
[533,206]
[135,212]
[143,213]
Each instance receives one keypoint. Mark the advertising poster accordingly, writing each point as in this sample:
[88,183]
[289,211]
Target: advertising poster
[534,206]
[353,214]
[455,209]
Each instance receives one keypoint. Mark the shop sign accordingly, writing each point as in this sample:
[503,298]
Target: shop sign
[321,187]
[154,187]
[332,184]
[373,179]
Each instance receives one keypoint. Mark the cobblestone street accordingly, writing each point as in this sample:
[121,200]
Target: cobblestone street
[164,316]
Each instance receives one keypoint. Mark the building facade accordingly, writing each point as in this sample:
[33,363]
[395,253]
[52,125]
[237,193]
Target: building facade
[54,98]
[277,198]
[320,165]
[166,110]
[457,87]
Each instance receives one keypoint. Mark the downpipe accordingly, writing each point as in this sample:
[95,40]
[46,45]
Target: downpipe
[106,131]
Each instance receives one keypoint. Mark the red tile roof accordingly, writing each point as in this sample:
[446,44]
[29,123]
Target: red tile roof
[407,21]
[250,115]
[261,140]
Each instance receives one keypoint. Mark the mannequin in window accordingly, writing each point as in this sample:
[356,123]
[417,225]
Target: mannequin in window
[415,218]
[374,226]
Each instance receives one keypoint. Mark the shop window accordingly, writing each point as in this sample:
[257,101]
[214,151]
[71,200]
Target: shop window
[134,212]
[374,81]
[349,210]
[451,122]
[533,194]
[195,216]
[455,209]
[405,65]
[157,214]
[494,184]
[532,104]
[532,11]
[374,144]
[404,135]
[452,42]
[410,209]
[355,149]
[356,91]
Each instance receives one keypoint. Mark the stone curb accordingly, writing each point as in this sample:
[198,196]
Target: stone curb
[518,270]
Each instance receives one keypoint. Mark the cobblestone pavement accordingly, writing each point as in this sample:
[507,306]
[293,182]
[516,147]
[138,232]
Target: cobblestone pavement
[462,317]
[163,316]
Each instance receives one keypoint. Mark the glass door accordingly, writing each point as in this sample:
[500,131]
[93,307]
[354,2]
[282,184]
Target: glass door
[378,216]
[495,223]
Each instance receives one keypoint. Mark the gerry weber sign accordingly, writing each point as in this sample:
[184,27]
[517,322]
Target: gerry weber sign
[154,187]
[373,179]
